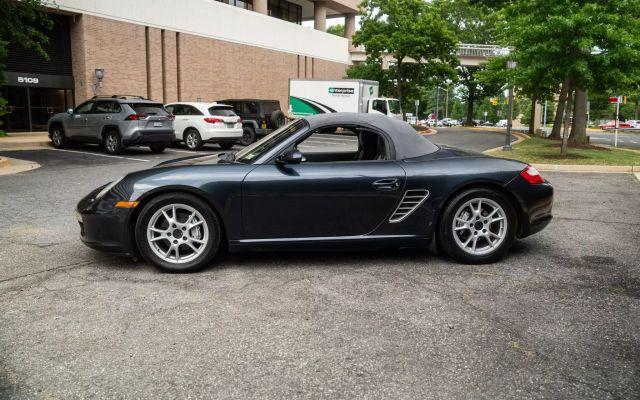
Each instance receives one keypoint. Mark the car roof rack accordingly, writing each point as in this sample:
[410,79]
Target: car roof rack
[120,96]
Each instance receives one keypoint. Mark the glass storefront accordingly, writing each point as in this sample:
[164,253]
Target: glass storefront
[29,108]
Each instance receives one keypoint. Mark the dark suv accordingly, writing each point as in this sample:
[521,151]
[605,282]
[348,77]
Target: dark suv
[259,117]
[115,122]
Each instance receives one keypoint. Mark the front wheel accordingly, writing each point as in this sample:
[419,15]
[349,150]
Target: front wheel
[477,226]
[58,138]
[157,148]
[226,145]
[193,140]
[178,232]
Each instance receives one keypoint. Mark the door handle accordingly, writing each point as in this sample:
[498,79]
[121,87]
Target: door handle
[386,185]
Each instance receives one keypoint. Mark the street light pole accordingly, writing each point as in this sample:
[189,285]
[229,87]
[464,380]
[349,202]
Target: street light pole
[437,97]
[507,139]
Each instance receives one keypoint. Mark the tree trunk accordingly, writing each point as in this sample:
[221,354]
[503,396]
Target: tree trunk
[557,122]
[579,127]
[471,94]
[567,121]
[532,114]
[399,89]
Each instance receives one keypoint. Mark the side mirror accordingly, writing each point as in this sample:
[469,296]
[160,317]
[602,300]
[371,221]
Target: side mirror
[292,156]
[70,111]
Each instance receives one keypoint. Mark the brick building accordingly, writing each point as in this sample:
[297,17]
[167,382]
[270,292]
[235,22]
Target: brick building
[170,50]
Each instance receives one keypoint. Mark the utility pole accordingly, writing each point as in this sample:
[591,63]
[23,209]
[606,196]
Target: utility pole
[544,115]
[437,97]
[507,138]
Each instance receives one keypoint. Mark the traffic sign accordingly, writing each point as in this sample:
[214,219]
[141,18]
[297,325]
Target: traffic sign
[615,99]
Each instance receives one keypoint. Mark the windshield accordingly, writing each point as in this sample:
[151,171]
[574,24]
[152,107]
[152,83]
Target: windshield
[251,153]
[394,106]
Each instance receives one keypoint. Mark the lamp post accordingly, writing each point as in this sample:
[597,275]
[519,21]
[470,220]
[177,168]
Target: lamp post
[507,139]
[99,72]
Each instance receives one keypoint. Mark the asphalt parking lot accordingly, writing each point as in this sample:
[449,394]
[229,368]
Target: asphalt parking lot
[558,318]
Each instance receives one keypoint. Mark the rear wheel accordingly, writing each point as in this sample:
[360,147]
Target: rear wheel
[112,142]
[178,232]
[192,139]
[477,226]
[248,136]
[277,119]
[58,138]
[157,148]
[226,145]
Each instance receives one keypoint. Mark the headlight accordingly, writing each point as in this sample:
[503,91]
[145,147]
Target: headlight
[107,188]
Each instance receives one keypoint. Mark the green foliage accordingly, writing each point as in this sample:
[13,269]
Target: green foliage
[372,70]
[419,39]
[337,30]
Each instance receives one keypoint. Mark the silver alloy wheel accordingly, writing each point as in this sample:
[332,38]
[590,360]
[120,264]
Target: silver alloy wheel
[56,136]
[191,140]
[111,143]
[177,233]
[479,226]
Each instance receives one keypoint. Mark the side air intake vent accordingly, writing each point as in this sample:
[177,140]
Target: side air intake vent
[411,200]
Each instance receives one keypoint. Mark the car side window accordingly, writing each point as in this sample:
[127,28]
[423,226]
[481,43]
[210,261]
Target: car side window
[178,109]
[190,110]
[84,108]
[250,107]
[344,144]
[106,107]
[170,109]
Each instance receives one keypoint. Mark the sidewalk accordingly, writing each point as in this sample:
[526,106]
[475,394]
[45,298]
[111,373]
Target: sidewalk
[27,140]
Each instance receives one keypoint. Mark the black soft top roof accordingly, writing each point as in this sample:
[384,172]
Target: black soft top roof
[407,142]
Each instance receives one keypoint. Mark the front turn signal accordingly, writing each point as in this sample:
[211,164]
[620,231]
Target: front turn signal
[127,204]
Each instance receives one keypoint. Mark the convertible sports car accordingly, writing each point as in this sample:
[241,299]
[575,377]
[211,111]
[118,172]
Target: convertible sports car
[383,185]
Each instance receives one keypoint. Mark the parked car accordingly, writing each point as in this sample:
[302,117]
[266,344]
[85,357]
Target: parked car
[197,123]
[271,195]
[115,122]
[634,123]
[259,117]
[612,125]
[502,123]
[486,123]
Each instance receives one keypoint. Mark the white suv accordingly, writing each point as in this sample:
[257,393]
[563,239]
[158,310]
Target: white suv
[198,123]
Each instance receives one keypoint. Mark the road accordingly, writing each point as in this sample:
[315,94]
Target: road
[628,140]
[556,319]
[470,139]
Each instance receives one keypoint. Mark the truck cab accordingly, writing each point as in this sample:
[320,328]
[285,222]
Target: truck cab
[385,106]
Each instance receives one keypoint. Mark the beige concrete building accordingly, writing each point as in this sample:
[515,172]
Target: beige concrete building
[170,50]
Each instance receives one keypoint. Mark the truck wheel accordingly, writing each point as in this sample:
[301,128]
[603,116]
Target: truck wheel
[248,136]
[277,119]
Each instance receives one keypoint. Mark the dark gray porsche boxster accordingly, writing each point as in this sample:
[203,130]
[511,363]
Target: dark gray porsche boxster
[385,186]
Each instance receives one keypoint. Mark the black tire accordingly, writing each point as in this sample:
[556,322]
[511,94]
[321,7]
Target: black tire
[157,148]
[112,142]
[212,223]
[192,139]
[277,119]
[248,136]
[226,145]
[445,234]
[58,138]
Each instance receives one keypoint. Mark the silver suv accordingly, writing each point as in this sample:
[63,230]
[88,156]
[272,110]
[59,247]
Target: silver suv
[114,122]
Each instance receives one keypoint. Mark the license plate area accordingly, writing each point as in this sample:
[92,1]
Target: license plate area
[156,124]
[230,124]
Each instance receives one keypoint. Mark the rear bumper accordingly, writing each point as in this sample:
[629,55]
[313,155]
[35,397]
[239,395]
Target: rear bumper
[143,138]
[223,134]
[536,204]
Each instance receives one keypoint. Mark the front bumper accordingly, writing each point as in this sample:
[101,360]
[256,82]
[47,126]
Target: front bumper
[142,138]
[103,226]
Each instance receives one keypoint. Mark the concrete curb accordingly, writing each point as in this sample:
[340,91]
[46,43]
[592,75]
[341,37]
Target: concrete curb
[520,138]
[24,142]
[428,132]
[9,166]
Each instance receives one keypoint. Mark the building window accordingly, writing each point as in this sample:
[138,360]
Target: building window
[246,4]
[285,10]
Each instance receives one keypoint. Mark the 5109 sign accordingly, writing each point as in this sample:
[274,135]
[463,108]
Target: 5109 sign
[27,79]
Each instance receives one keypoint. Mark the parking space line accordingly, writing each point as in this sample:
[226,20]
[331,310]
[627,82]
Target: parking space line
[193,152]
[102,155]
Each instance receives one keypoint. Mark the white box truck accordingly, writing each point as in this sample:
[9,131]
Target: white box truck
[316,96]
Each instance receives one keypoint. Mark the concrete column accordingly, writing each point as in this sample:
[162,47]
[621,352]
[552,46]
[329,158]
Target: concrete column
[261,6]
[320,15]
[350,28]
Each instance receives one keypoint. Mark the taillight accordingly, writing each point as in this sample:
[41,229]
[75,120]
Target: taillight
[171,117]
[135,117]
[212,120]
[531,175]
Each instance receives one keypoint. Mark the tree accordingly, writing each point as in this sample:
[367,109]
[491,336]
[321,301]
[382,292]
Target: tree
[592,44]
[24,22]
[337,30]
[472,23]
[419,39]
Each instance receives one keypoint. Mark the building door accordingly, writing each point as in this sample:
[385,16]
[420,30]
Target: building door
[17,108]
[29,108]
[44,103]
